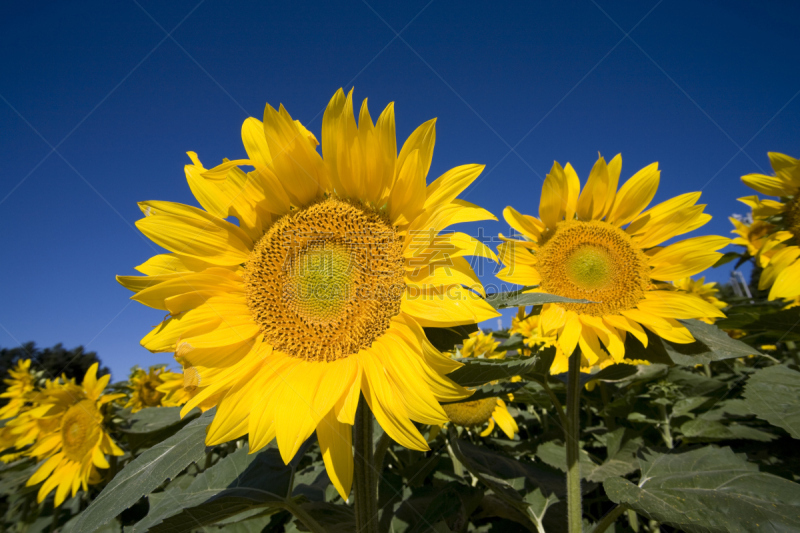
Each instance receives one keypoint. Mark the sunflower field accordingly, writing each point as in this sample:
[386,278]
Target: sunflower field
[329,374]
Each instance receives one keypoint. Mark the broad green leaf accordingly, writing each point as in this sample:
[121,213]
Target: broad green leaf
[154,424]
[518,298]
[237,483]
[555,455]
[446,339]
[498,390]
[452,504]
[153,419]
[711,430]
[479,371]
[147,472]
[610,373]
[485,463]
[538,504]
[773,394]
[710,490]
[768,319]
[711,344]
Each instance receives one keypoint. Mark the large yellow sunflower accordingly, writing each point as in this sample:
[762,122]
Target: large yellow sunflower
[320,293]
[77,444]
[143,385]
[21,383]
[599,244]
[782,262]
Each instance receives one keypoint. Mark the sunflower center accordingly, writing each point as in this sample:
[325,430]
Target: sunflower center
[150,396]
[792,218]
[593,260]
[325,281]
[472,413]
[80,430]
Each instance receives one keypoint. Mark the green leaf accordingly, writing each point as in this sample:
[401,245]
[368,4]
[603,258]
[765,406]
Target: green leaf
[452,504]
[773,394]
[518,298]
[710,430]
[237,483]
[154,424]
[479,371]
[711,344]
[538,504]
[501,390]
[496,467]
[555,455]
[147,472]
[709,490]
[767,317]
[446,339]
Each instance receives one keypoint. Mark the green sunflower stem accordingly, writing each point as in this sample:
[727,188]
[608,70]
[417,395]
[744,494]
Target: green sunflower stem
[364,476]
[572,433]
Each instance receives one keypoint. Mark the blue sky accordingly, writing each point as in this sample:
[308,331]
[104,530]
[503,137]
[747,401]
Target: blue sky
[99,102]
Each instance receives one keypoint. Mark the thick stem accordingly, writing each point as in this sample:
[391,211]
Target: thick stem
[572,438]
[364,478]
[609,518]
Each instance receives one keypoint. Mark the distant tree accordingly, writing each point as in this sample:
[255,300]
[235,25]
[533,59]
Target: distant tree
[54,361]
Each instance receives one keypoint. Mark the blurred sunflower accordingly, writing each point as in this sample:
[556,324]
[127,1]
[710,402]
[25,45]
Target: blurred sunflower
[706,291]
[781,267]
[754,235]
[144,388]
[21,383]
[77,445]
[321,292]
[476,413]
[480,344]
[180,387]
[601,245]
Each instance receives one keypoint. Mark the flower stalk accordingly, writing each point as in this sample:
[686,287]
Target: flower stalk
[572,438]
[364,475]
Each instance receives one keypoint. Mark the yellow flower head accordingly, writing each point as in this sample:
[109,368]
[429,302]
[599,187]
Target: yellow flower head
[755,236]
[21,383]
[77,443]
[482,345]
[144,388]
[600,245]
[780,252]
[476,413]
[320,293]
[706,291]
[180,387]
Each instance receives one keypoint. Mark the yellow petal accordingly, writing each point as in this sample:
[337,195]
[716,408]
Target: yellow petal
[408,194]
[593,199]
[635,195]
[421,139]
[199,239]
[335,444]
[449,185]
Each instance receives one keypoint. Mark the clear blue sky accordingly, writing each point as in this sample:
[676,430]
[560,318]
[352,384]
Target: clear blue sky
[99,101]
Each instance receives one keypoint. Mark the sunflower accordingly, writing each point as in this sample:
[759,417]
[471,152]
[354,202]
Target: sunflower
[480,344]
[754,235]
[320,293]
[781,266]
[476,413]
[180,387]
[78,444]
[706,291]
[144,388]
[600,245]
[21,383]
